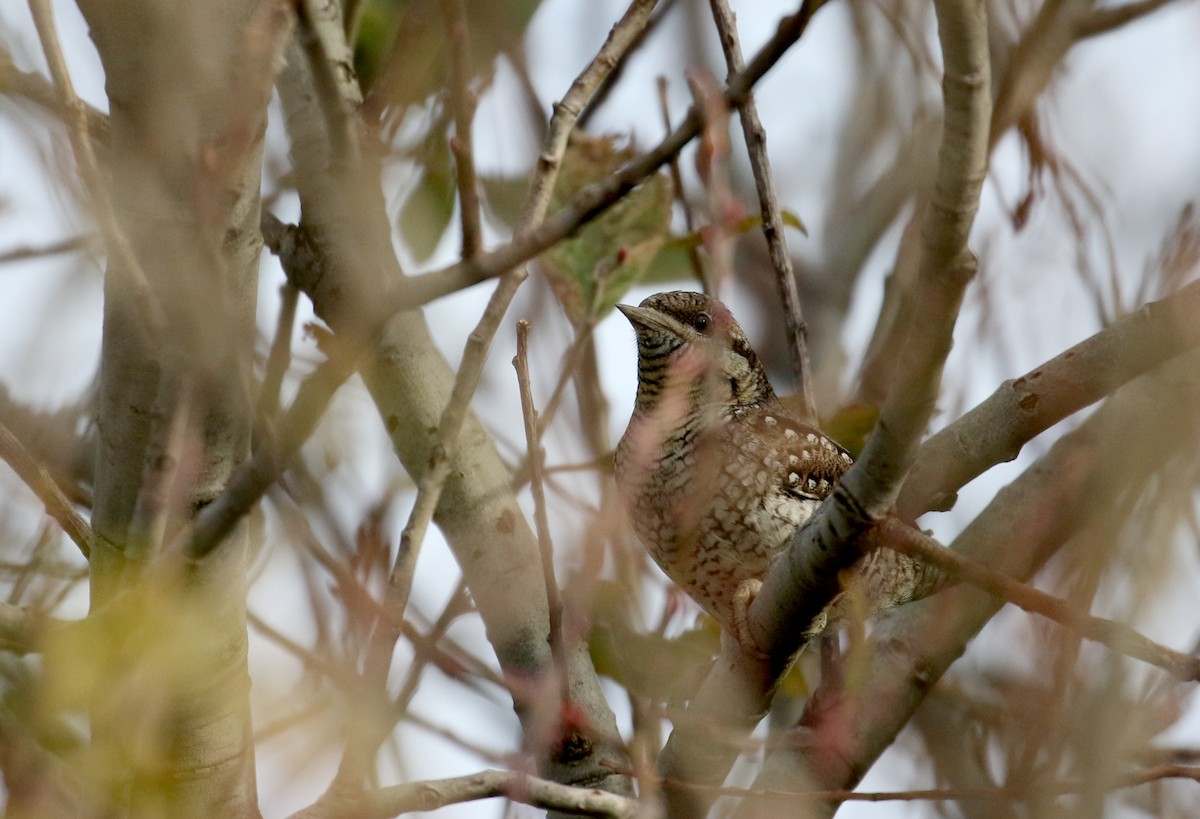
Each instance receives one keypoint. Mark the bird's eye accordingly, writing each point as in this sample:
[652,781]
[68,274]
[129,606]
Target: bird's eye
[701,322]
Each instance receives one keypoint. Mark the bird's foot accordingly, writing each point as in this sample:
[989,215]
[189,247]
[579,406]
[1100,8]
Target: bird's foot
[742,598]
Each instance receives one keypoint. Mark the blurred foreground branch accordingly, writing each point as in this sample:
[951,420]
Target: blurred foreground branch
[802,581]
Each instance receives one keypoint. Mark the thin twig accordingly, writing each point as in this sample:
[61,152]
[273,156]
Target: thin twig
[462,103]
[256,475]
[18,628]
[433,794]
[71,245]
[594,199]
[536,464]
[689,218]
[1116,636]
[408,689]
[772,224]
[486,754]
[597,100]
[37,478]
[35,88]
[712,164]
[1104,20]
[1010,794]
[76,116]
[310,659]
[280,355]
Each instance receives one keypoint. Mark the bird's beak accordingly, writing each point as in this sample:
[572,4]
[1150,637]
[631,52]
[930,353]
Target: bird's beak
[643,318]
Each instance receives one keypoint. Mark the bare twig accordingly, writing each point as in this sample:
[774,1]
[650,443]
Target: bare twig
[37,89]
[1116,636]
[76,116]
[71,245]
[37,478]
[18,628]
[429,488]
[999,794]
[429,795]
[772,224]
[1102,21]
[462,102]
[280,355]
[597,100]
[689,219]
[408,689]
[311,659]
[256,475]
[1020,409]
[536,465]
[596,198]
[712,165]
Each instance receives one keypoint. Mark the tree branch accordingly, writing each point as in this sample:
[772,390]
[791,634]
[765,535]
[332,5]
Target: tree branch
[1116,636]
[1102,21]
[995,430]
[772,225]
[915,644]
[430,795]
[37,478]
[802,581]
[594,199]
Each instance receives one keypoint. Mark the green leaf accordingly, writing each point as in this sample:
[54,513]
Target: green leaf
[503,197]
[851,425]
[592,270]
[430,206]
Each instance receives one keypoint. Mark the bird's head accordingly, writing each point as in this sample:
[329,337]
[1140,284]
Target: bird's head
[690,338]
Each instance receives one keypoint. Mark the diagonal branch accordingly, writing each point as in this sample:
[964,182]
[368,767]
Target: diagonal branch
[1024,407]
[917,643]
[37,478]
[802,581]
[1116,636]
[594,199]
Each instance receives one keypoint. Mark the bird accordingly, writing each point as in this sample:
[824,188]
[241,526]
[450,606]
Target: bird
[717,473]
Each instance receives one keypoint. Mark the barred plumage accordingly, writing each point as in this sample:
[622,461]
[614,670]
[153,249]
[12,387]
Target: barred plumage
[716,473]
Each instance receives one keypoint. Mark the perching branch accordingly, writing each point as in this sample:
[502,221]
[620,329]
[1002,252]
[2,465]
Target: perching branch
[917,643]
[1116,636]
[802,581]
